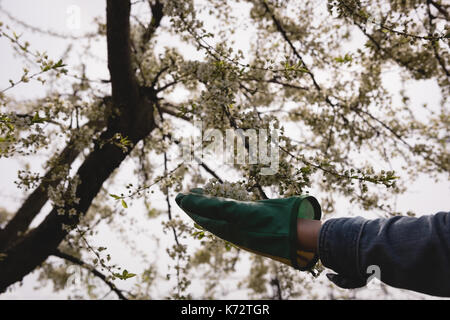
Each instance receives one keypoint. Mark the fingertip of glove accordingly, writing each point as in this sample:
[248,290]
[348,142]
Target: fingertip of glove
[179,197]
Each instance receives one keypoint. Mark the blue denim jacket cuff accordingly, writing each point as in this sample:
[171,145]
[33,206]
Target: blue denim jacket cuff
[339,245]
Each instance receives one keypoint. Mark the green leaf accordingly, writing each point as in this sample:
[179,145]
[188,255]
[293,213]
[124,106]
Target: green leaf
[344,59]
[59,64]
[199,234]
[124,204]
[302,69]
[37,119]
[45,67]
[306,169]
[114,196]
[198,226]
[125,275]
[229,246]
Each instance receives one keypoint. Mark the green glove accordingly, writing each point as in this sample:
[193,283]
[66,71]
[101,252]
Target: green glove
[265,227]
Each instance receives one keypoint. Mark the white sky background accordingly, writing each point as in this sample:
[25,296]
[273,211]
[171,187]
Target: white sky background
[425,196]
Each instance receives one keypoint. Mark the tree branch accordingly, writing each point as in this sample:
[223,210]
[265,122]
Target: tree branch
[94,271]
[296,53]
[157,15]
[134,120]
[435,44]
[170,109]
[37,199]
[123,81]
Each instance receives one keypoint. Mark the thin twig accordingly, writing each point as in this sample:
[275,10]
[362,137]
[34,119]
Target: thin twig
[94,271]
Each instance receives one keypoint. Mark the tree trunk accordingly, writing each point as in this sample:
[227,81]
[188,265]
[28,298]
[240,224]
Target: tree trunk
[133,118]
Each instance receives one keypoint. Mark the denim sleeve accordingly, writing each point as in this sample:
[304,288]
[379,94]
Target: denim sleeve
[411,253]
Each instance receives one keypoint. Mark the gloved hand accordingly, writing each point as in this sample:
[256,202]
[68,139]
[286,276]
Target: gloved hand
[265,227]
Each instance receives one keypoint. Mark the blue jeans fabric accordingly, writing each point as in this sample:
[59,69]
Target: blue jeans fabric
[411,253]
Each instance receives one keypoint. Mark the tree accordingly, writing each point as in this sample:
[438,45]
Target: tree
[297,70]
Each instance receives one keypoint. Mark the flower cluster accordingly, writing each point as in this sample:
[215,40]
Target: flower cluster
[233,190]
[27,180]
[64,194]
